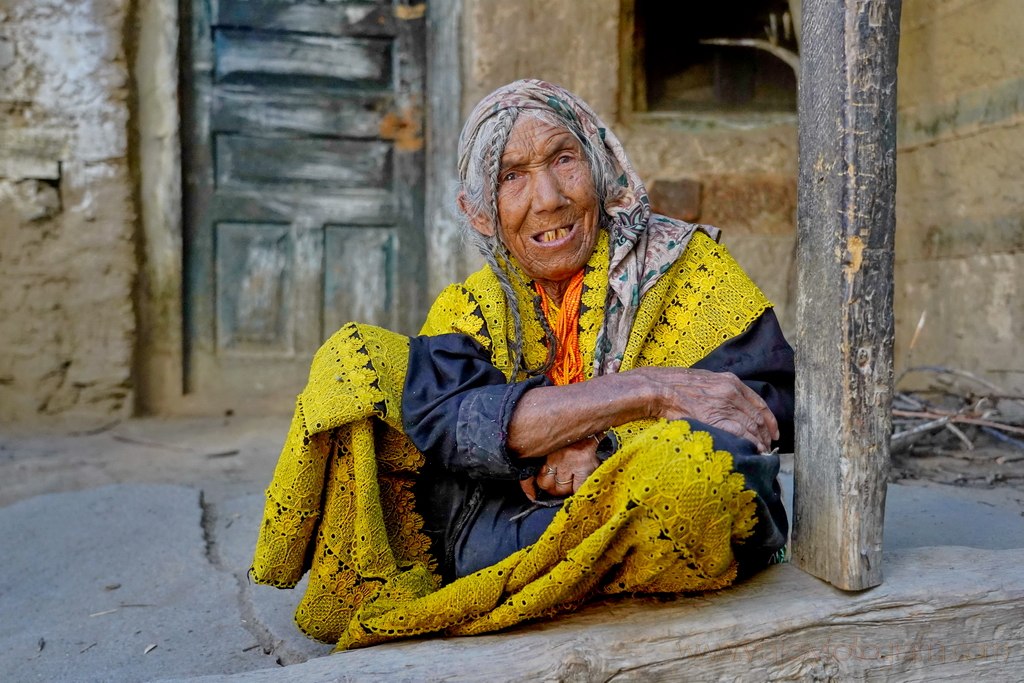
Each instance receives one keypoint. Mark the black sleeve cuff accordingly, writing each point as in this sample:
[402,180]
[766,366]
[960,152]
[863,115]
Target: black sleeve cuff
[482,430]
[457,407]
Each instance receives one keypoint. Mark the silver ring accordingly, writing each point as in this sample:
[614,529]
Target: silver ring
[548,469]
[563,483]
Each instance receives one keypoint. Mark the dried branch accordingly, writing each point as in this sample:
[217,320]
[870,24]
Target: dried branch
[908,401]
[938,417]
[788,56]
[795,8]
[1005,439]
[957,417]
[904,440]
[960,435]
[917,330]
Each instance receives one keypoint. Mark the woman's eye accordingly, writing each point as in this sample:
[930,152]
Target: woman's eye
[510,175]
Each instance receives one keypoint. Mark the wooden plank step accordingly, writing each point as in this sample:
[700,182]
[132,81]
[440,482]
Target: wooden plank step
[943,613]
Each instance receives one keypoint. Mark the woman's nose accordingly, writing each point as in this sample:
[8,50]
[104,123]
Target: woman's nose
[547,191]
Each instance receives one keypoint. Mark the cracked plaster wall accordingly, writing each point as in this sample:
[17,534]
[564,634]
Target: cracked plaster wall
[67,255]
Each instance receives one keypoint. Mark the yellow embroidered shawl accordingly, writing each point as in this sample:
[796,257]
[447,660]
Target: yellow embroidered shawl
[657,516]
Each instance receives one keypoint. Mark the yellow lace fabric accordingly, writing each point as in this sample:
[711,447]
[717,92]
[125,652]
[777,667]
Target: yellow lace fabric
[340,502]
[658,516]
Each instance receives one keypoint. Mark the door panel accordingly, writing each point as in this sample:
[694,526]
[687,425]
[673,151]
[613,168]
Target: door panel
[303,160]
[319,114]
[265,58]
[358,282]
[253,287]
[301,165]
[354,18]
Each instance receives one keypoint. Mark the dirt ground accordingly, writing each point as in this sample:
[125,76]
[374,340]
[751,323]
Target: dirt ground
[984,467]
[225,457]
[977,440]
[231,456]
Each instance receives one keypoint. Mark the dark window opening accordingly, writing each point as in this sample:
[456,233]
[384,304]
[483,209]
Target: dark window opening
[681,72]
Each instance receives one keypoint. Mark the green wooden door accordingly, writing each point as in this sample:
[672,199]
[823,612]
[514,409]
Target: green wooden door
[303,167]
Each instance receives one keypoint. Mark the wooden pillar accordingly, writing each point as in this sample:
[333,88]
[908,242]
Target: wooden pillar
[846,223]
[446,261]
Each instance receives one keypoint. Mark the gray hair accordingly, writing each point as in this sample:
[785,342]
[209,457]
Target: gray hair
[479,187]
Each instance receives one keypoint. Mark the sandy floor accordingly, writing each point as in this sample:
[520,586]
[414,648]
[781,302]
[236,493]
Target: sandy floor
[226,457]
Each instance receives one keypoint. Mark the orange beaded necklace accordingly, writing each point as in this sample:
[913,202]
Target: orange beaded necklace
[565,323]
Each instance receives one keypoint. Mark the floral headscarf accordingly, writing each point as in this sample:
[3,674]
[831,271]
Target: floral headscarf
[643,244]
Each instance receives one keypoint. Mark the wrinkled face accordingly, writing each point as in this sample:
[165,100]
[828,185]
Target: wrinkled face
[547,204]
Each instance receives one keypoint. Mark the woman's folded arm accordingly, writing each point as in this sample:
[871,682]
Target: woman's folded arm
[460,410]
[456,406]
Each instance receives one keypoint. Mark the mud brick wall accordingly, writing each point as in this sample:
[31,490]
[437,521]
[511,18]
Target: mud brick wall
[67,255]
[960,188]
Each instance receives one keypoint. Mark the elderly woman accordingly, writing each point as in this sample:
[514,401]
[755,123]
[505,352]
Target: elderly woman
[589,414]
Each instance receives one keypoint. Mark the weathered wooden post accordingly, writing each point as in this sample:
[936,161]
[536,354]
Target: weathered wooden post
[846,223]
[445,260]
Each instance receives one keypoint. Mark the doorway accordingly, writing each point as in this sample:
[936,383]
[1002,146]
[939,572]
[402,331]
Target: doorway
[303,169]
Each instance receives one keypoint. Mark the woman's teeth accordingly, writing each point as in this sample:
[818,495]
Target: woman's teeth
[552,235]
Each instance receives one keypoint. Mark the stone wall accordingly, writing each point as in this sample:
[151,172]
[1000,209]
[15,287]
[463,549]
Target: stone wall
[960,188]
[67,255]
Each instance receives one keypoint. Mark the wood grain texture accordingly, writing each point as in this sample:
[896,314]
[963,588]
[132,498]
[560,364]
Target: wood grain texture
[846,224]
[253,287]
[307,165]
[359,276]
[265,57]
[447,262]
[307,113]
[331,18]
[349,207]
[943,614]
[405,128]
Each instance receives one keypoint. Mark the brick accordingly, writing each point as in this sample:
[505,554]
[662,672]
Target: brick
[750,203]
[677,198]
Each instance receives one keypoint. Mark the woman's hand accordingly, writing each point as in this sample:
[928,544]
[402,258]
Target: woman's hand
[547,417]
[564,470]
[719,399]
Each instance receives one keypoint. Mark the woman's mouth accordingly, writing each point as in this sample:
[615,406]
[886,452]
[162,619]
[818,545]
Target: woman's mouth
[554,235]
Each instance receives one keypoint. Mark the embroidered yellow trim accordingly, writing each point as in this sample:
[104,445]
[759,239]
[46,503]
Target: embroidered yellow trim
[658,516]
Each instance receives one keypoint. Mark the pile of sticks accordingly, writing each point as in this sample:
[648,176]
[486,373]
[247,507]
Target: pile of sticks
[957,411]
